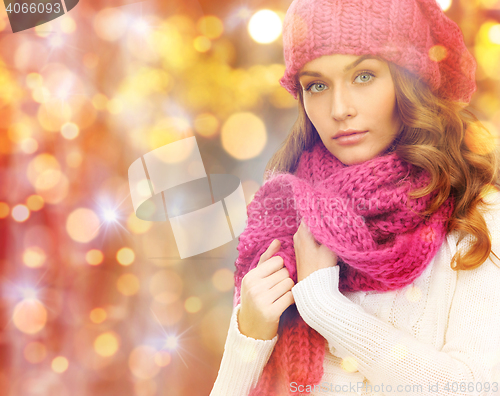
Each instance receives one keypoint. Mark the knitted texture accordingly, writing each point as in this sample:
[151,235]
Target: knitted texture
[363,214]
[414,34]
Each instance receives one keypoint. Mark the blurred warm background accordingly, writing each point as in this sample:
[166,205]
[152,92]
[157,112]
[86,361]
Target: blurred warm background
[93,300]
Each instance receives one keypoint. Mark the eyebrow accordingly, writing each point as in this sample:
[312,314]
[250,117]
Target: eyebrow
[346,69]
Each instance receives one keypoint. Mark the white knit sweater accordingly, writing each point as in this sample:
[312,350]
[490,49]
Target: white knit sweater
[438,336]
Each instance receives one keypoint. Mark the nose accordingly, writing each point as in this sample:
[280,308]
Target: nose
[342,104]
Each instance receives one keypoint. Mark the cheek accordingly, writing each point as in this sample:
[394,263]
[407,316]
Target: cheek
[310,109]
[314,115]
[386,108]
[318,112]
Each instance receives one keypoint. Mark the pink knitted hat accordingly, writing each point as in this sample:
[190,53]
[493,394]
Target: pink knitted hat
[414,34]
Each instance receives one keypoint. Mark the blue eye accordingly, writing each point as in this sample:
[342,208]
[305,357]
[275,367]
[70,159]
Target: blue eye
[365,77]
[316,84]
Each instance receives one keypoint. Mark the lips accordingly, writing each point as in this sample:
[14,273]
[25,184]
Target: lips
[347,132]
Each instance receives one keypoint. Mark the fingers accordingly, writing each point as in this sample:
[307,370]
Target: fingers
[266,277]
[273,264]
[269,267]
[273,248]
[280,289]
[276,277]
[265,294]
[283,302]
[256,276]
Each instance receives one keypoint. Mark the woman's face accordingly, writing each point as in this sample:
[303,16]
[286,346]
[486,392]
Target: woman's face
[351,95]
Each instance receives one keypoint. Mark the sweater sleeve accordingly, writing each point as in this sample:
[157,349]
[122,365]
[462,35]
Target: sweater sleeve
[386,355]
[243,361]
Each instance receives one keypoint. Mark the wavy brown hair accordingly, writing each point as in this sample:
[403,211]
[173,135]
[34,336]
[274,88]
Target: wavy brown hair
[440,136]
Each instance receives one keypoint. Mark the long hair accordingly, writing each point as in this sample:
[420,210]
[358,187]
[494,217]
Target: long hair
[438,135]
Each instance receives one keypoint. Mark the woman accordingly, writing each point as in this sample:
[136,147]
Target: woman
[367,265]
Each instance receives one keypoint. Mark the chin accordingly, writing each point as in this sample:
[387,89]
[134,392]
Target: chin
[348,160]
[356,157]
[352,162]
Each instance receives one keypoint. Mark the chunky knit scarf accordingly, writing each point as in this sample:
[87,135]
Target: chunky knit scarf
[363,214]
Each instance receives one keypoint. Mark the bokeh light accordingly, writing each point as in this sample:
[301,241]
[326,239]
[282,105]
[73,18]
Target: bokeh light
[202,44]
[110,24]
[34,80]
[125,256]
[106,344]
[74,159]
[193,304]
[162,358]
[110,215]
[445,4]
[488,194]
[136,225]
[142,362]
[481,138]
[44,31]
[30,316]
[20,213]
[244,135]
[494,34]
[487,53]
[41,95]
[68,24]
[145,387]
[168,314]
[34,257]
[168,131]
[210,26]
[82,225]
[98,315]
[94,257]
[4,210]
[99,101]
[70,130]
[35,352]
[206,125]
[35,203]
[128,284]
[265,26]
[487,3]
[166,286]
[223,280]
[60,364]
[171,342]
[29,145]
[48,179]
[53,113]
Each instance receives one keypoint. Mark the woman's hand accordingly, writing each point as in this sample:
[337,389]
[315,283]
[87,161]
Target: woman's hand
[309,255]
[265,294]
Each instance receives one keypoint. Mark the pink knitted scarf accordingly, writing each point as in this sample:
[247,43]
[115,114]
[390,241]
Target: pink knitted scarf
[363,214]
